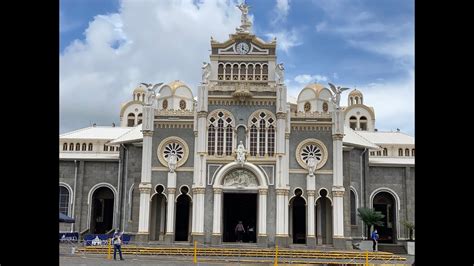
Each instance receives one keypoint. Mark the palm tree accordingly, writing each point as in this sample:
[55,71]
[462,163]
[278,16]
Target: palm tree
[370,217]
[410,226]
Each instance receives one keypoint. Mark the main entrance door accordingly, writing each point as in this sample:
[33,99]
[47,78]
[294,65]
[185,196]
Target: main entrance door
[239,207]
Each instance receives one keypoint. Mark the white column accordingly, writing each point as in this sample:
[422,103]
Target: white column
[217,215]
[310,213]
[280,212]
[262,211]
[338,186]
[199,211]
[170,212]
[144,214]
[285,208]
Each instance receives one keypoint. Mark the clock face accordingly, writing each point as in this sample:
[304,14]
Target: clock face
[242,48]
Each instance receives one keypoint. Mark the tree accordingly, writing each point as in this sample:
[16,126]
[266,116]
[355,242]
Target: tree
[370,217]
[410,226]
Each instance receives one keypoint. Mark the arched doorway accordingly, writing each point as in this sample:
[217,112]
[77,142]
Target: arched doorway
[102,211]
[240,194]
[385,203]
[183,214]
[298,217]
[158,215]
[323,219]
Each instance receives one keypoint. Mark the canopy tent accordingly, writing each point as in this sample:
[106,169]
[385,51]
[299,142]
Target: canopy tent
[65,219]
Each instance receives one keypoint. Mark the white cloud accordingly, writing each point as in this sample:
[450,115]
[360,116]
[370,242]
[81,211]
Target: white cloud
[286,39]
[281,9]
[148,41]
[305,78]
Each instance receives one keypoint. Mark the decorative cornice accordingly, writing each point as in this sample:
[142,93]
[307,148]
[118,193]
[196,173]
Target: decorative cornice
[147,133]
[144,187]
[281,115]
[202,114]
[310,127]
[166,169]
[338,193]
[263,191]
[171,190]
[310,115]
[217,190]
[171,112]
[174,124]
[337,136]
[237,102]
[198,190]
[281,191]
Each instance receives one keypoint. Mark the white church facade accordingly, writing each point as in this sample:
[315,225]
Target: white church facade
[181,167]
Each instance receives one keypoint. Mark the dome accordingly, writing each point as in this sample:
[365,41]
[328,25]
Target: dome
[355,93]
[176,84]
[140,88]
[315,87]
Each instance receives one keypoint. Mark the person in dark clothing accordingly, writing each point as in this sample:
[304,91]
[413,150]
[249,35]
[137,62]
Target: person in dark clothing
[251,232]
[117,241]
[375,238]
[239,231]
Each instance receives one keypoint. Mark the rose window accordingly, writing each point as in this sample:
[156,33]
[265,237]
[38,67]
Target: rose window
[311,151]
[173,148]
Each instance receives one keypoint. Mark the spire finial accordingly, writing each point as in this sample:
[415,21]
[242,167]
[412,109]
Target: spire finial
[246,24]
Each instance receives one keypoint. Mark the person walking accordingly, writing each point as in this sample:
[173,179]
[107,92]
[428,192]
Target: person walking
[117,241]
[375,238]
[239,231]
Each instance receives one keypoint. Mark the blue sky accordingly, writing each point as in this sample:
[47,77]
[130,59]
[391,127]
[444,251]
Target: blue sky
[110,46]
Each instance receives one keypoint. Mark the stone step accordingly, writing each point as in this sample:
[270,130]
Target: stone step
[393,248]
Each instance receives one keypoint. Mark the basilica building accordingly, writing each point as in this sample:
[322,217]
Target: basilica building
[183,167]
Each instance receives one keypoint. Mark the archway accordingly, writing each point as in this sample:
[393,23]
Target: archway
[183,214]
[158,215]
[298,217]
[102,211]
[323,219]
[385,203]
[237,184]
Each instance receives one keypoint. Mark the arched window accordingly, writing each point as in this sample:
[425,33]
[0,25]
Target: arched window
[407,152]
[220,130]
[271,140]
[228,140]
[253,140]
[258,72]
[262,129]
[139,118]
[65,147]
[400,152]
[353,208]
[106,148]
[325,107]
[63,200]
[357,100]
[385,152]
[211,139]
[265,72]
[84,146]
[112,148]
[131,120]
[250,72]
[165,104]
[352,100]
[243,72]
[372,153]
[363,123]
[220,72]
[227,71]
[71,146]
[353,122]
[412,152]
[182,104]
[235,72]
[90,146]
[307,107]
[78,146]
[379,153]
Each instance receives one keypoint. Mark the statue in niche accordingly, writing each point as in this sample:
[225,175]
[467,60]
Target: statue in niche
[172,161]
[241,153]
[312,164]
